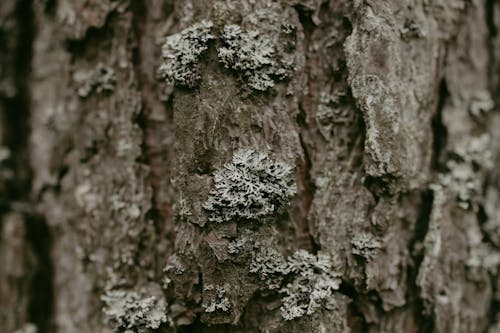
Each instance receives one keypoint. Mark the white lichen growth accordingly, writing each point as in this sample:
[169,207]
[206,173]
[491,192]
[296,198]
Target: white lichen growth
[249,188]
[237,246]
[306,281]
[129,312]
[181,54]
[313,283]
[482,256]
[480,104]
[219,301]
[270,266]
[462,178]
[365,245]
[173,267]
[101,79]
[253,54]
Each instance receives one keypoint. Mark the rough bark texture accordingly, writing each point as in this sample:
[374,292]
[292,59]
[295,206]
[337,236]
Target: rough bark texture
[249,166]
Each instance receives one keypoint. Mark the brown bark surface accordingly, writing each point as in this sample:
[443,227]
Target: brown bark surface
[129,130]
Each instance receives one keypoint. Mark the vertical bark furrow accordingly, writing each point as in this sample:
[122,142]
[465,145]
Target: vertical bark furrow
[26,274]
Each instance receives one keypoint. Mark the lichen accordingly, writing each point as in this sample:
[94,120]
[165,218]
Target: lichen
[130,312]
[219,301]
[249,188]
[101,79]
[480,104]
[482,256]
[181,54]
[237,246]
[173,267]
[462,176]
[314,280]
[253,54]
[306,281]
[365,245]
[270,266]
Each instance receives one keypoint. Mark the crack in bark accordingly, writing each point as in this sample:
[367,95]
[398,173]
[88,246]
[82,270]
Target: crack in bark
[19,198]
[439,131]
[152,150]
[493,63]
[424,323]
[302,120]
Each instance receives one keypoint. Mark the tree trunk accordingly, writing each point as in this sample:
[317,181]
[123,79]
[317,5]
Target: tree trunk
[249,166]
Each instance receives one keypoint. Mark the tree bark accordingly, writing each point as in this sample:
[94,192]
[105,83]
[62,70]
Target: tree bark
[249,166]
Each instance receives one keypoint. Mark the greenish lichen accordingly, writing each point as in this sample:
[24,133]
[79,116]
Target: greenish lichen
[129,312]
[249,188]
[181,54]
[254,55]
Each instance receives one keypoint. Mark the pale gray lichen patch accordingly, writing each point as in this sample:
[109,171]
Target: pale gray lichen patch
[306,281]
[100,79]
[181,54]
[482,256]
[218,302]
[480,104]
[255,55]
[313,283]
[270,266]
[251,187]
[462,180]
[365,245]
[130,312]
[173,267]
[236,246]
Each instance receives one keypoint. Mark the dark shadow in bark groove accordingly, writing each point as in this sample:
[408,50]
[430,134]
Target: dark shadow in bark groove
[425,323]
[493,63]
[16,137]
[40,307]
[305,103]
[440,133]
[355,319]
[152,150]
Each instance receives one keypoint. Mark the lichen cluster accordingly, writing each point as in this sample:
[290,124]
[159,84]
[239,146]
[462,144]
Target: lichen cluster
[100,79]
[254,55]
[251,187]
[313,282]
[461,178]
[306,281]
[365,245]
[257,56]
[270,266]
[130,312]
[219,302]
[181,54]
